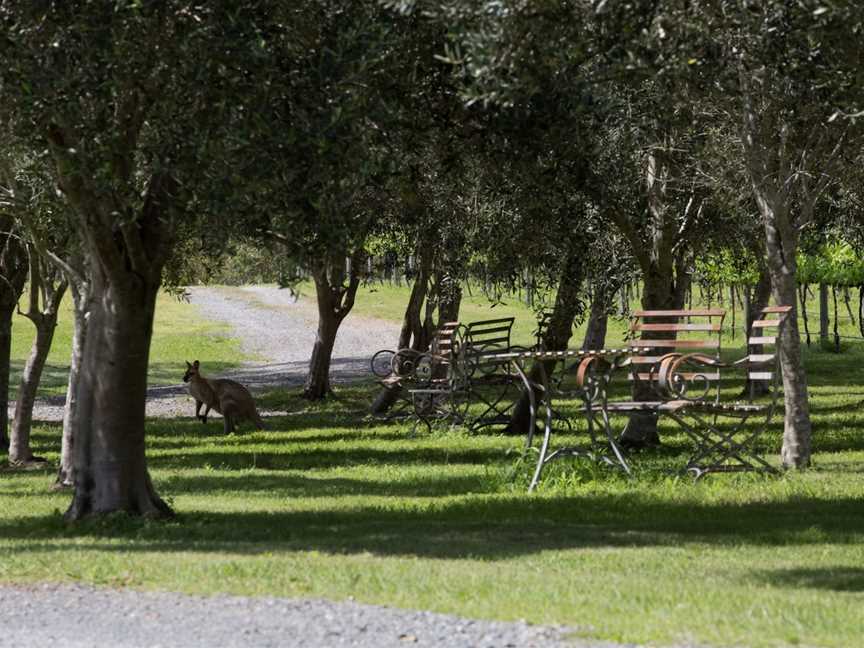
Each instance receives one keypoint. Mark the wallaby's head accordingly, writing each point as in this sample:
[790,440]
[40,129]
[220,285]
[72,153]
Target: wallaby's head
[191,371]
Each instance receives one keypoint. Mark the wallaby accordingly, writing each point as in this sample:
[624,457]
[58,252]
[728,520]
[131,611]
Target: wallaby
[229,398]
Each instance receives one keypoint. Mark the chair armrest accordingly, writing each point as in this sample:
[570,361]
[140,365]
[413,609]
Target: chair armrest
[676,384]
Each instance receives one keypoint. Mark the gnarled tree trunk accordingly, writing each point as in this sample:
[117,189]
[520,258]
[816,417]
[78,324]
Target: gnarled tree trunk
[66,470]
[781,240]
[20,452]
[13,269]
[110,466]
[42,310]
[335,301]
[124,272]
[557,335]
[783,180]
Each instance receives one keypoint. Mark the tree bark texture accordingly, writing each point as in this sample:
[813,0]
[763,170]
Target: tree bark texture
[556,337]
[46,293]
[19,446]
[335,301]
[110,466]
[781,240]
[13,268]
[66,471]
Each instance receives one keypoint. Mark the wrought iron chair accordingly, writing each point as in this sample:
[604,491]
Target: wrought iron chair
[724,442]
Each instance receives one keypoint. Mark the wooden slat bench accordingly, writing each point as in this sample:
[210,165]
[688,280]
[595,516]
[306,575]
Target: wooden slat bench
[724,441]
[668,331]
[687,384]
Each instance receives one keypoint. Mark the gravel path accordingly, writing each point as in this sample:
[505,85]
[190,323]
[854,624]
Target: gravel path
[74,616]
[273,327]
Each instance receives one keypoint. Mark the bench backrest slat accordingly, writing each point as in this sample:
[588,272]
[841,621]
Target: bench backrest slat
[694,312]
[684,331]
[675,344]
[763,339]
[675,327]
[762,364]
[488,336]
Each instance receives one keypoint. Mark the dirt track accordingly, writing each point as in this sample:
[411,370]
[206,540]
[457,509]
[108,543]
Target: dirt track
[274,327]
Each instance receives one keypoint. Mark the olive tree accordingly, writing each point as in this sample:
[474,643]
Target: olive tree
[124,97]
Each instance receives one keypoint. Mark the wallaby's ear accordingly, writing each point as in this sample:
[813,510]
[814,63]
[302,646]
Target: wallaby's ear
[195,364]
[188,366]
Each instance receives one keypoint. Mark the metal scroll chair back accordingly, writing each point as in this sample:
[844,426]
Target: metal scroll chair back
[664,332]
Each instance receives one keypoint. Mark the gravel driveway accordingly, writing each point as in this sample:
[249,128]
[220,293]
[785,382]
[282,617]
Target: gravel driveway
[276,329]
[279,331]
[74,616]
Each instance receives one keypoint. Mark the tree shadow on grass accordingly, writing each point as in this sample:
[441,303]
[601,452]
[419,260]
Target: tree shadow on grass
[197,433]
[304,458]
[480,527]
[838,579]
[291,485]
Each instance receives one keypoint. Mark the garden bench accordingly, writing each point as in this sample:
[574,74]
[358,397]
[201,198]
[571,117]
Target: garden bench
[664,332]
[688,387]
[431,384]
[731,447]
[408,368]
[487,382]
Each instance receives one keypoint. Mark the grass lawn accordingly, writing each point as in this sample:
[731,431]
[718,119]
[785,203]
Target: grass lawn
[178,335]
[328,503]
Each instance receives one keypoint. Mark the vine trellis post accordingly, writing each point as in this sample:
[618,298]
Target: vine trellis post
[802,292]
[732,298]
[836,320]
[823,313]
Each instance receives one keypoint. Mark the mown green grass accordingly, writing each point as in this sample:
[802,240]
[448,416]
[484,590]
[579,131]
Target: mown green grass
[179,334]
[330,503]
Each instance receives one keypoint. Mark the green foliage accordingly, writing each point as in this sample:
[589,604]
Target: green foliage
[835,264]
[726,267]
